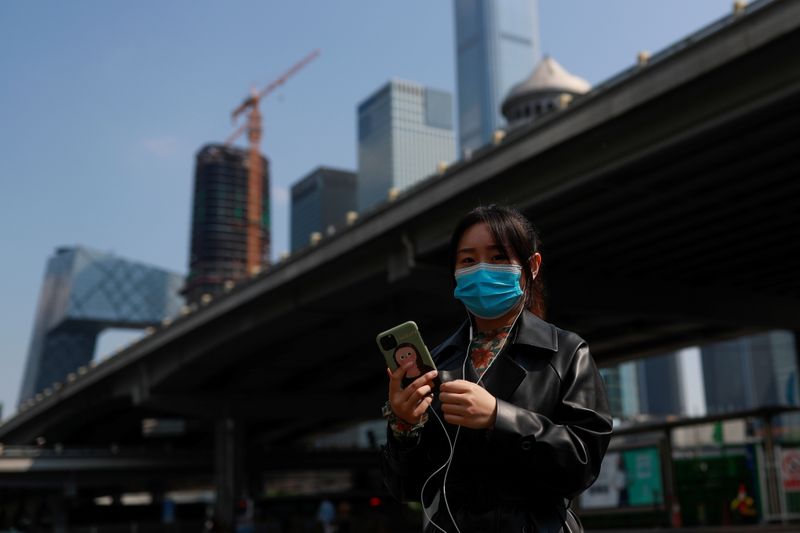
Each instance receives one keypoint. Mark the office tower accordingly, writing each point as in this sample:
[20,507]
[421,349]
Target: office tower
[622,389]
[320,201]
[404,131]
[660,387]
[614,389]
[672,384]
[497,46]
[85,292]
[750,372]
[220,220]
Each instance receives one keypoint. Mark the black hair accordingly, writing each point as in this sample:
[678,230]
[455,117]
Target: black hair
[515,236]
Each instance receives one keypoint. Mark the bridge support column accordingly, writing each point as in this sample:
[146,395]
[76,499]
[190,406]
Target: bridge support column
[57,506]
[772,468]
[229,471]
[670,485]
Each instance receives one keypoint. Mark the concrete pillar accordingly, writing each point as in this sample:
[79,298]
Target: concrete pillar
[229,471]
[671,501]
[772,466]
[797,359]
[57,505]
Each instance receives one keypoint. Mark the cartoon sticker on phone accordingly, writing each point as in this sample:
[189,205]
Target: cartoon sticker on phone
[407,351]
[402,345]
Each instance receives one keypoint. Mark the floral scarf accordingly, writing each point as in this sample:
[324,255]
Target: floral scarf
[485,346]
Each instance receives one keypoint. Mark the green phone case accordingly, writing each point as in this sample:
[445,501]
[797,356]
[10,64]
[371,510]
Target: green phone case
[405,336]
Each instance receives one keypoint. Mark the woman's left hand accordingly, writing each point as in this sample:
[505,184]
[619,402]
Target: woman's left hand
[467,404]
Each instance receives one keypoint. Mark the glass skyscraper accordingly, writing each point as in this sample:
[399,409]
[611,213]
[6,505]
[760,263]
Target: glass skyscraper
[720,377]
[751,372]
[321,200]
[404,131]
[85,292]
[497,46]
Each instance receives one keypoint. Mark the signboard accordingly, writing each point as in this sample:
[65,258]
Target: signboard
[627,479]
[644,484]
[607,490]
[790,469]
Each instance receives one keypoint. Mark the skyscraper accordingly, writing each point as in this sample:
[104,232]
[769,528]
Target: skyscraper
[85,292]
[750,372]
[404,131]
[321,200]
[497,46]
[219,220]
[660,387]
[622,388]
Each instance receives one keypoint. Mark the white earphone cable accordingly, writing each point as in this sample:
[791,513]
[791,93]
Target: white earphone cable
[452,444]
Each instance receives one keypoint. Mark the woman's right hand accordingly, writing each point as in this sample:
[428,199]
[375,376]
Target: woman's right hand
[411,402]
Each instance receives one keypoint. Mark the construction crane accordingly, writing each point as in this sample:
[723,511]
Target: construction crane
[254,177]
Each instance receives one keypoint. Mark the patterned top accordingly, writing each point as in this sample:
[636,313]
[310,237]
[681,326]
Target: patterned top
[485,346]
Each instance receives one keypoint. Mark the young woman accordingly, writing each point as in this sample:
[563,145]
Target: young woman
[520,422]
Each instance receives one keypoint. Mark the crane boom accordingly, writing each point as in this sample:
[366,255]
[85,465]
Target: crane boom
[232,137]
[255,181]
[254,99]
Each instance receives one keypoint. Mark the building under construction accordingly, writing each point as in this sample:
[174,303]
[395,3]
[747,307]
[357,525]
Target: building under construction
[222,223]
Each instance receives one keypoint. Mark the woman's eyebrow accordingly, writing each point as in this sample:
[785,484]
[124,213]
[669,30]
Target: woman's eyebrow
[472,250]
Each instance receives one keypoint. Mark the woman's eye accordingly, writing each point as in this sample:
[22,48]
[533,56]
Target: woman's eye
[467,260]
[500,257]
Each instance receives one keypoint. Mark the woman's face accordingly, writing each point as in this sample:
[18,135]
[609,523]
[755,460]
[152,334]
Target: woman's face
[477,245]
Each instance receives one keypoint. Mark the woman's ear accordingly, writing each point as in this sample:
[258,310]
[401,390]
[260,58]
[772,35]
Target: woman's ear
[535,263]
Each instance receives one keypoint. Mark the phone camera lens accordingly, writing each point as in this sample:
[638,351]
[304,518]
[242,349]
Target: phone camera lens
[388,342]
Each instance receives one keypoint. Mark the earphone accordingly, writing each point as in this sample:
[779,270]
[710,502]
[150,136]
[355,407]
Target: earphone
[452,444]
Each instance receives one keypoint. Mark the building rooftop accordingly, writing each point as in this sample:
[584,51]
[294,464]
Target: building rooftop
[549,76]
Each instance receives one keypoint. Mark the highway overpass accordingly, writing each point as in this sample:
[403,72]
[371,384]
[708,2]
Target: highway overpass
[668,200]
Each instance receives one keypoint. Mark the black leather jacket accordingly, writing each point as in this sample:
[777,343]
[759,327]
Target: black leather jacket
[552,429]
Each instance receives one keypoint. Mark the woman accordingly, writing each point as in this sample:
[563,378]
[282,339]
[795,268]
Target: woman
[521,419]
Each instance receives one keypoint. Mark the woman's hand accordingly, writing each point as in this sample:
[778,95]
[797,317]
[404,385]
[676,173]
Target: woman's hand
[411,402]
[467,404]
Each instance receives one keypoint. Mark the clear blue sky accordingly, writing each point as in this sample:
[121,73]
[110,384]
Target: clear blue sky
[104,104]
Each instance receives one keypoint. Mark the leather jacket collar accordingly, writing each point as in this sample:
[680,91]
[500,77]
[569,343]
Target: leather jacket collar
[529,331]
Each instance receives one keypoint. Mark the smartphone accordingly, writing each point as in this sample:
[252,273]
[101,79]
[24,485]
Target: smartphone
[404,341]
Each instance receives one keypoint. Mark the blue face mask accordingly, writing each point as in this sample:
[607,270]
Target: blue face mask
[489,291]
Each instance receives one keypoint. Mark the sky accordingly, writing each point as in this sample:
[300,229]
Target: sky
[103,106]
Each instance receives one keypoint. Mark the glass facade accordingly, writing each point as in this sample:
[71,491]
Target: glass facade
[729,469]
[85,292]
[219,220]
[497,46]
[751,372]
[404,131]
[319,201]
[722,377]
[660,386]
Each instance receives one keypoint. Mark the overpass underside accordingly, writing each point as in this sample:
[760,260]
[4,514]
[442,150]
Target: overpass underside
[669,206]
